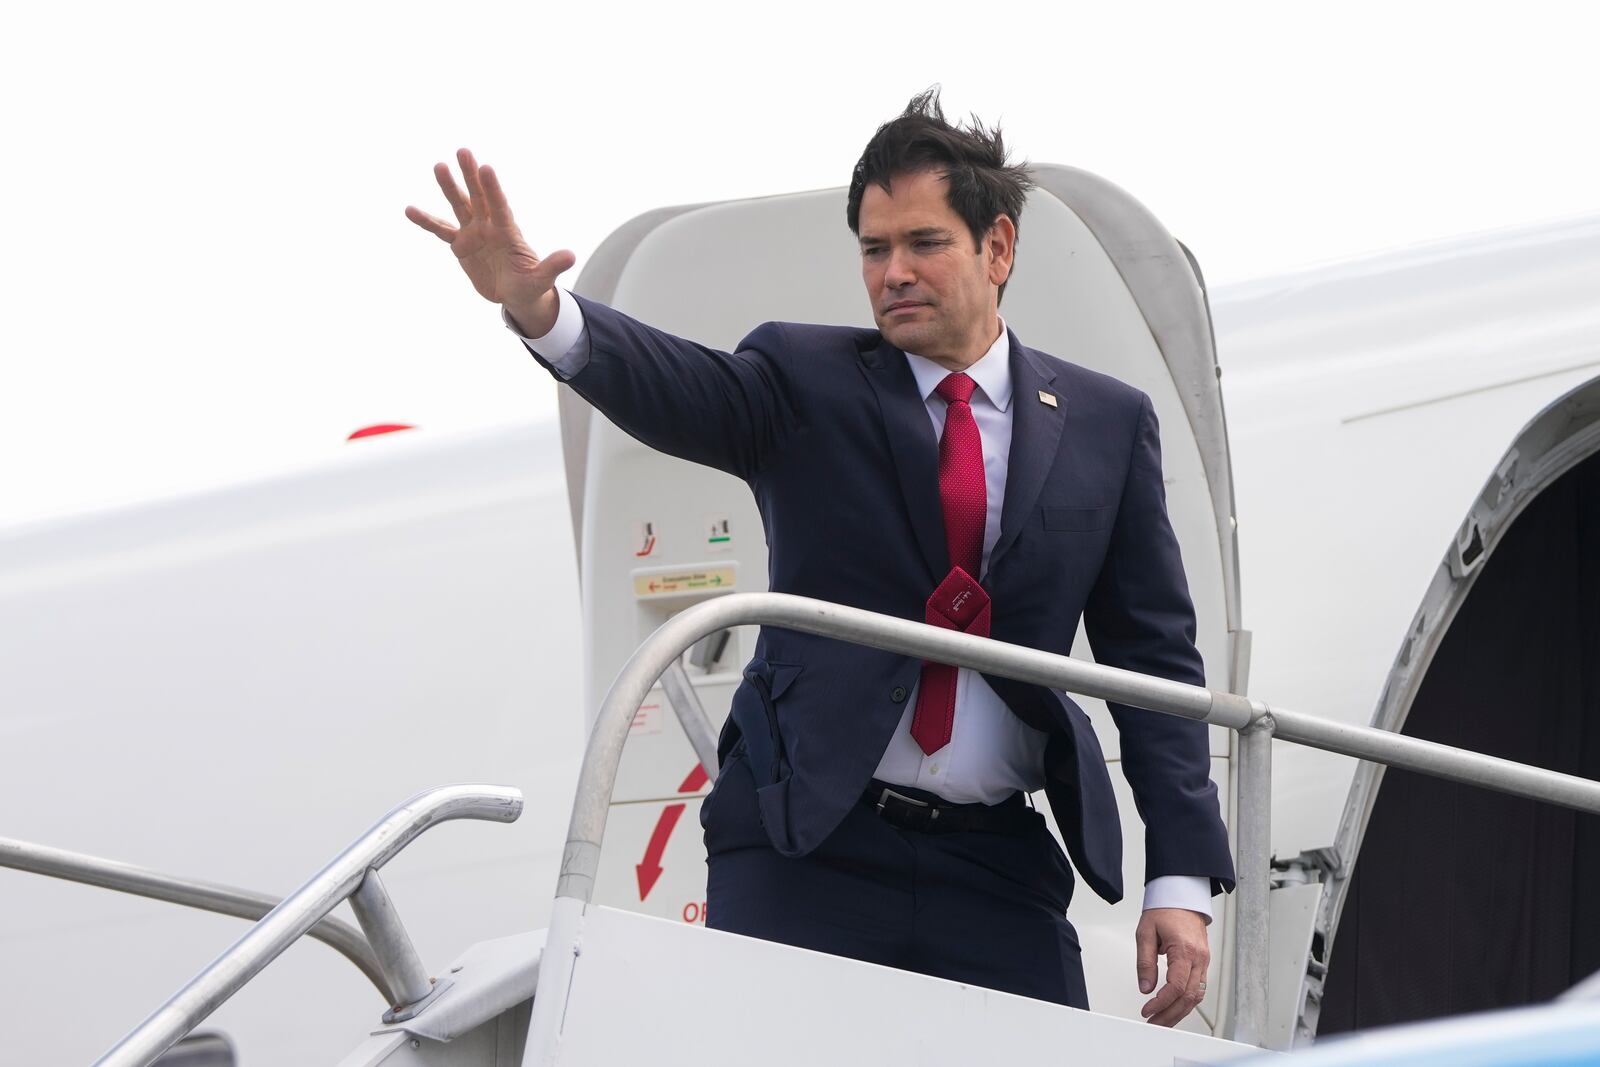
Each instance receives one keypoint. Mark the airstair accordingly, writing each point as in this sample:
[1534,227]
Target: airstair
[605,986]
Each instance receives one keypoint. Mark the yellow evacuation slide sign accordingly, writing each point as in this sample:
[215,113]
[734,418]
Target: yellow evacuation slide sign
[676,583]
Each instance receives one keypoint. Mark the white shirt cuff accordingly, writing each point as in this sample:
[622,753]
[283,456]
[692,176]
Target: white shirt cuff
[1179,891]
[563,346]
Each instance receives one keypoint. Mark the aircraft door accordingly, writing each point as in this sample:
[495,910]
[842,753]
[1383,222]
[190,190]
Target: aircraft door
[1099,282]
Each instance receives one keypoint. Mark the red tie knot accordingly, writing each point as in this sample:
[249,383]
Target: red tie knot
[956,388]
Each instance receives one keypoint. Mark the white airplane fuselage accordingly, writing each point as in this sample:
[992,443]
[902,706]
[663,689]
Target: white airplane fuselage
[233,684]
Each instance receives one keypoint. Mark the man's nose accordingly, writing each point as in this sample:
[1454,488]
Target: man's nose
[898,273]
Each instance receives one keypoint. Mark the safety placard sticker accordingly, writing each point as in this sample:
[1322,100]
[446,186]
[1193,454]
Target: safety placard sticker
[647,720]
[719,535]
[644,539]
[677,583]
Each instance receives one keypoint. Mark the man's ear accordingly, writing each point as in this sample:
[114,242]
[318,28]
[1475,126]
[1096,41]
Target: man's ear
[1001,245]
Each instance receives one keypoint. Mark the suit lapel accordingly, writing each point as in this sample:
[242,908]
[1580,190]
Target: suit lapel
[1035,436]
[914,447]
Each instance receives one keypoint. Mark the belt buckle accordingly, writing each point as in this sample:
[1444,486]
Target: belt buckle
[883,798]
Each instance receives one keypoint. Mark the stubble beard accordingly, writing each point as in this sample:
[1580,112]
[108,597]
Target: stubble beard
[920,338]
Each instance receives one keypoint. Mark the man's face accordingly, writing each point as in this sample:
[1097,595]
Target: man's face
[932,292]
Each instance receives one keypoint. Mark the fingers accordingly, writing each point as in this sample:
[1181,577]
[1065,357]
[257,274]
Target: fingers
[1144,941]
[1169,998]
[495,198]
[1185,988]
[1188,1000]
[452,192]
[436,226]
[483,196]
[469,173]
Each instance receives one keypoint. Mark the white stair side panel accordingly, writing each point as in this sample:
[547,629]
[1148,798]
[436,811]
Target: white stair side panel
[649,991]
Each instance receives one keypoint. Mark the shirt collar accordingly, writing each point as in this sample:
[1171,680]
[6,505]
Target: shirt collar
[991,374]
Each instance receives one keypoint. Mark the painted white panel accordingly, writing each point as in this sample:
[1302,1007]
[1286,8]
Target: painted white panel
[689,995]
[1291,924]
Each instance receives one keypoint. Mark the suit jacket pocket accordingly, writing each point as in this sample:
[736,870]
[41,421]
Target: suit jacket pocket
[755,713]
[1077,519]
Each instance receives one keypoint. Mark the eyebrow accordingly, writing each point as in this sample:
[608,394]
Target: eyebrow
[920,231]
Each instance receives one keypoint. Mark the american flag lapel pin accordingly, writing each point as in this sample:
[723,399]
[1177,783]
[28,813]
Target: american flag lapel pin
[1047,399]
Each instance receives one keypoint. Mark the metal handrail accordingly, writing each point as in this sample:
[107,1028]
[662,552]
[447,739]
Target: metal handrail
[1257,723]
[188,892]
[302,909]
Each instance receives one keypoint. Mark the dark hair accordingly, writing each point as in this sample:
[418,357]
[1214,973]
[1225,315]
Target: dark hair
[978,183]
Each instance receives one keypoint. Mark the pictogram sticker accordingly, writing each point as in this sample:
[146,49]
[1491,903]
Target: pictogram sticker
[719,535]
[644,540]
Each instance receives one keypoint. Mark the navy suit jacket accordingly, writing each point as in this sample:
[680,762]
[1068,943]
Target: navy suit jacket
[827,427]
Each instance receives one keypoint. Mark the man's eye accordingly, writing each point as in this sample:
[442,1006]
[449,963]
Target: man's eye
[870,252]
[928,244]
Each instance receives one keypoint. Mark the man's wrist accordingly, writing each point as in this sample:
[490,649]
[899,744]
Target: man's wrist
[534,321]
[564,347]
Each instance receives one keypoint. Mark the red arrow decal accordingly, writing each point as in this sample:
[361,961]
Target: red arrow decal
[649,871]
[696,780]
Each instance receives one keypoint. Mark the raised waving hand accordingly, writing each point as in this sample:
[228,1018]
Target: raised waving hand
[491,249]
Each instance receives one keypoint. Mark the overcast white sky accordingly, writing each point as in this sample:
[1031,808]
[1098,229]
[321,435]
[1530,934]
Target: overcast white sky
[207,272]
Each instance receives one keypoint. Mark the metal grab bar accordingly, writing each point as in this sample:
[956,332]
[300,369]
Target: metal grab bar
[1255,720]
[302,909]
[691,715]
[188,892]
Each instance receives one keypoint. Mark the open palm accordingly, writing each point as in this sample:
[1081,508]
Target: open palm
[490,247]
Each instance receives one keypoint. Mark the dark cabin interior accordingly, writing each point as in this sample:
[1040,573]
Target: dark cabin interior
[1464,900]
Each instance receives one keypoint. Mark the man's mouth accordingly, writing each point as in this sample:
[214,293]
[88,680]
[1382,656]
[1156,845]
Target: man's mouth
[903,305]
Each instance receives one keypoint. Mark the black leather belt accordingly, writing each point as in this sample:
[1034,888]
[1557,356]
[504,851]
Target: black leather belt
[912,809]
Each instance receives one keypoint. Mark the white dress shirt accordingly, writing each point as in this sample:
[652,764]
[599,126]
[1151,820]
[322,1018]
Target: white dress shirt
[991,753]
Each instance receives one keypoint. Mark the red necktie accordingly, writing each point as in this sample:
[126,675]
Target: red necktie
[959,603]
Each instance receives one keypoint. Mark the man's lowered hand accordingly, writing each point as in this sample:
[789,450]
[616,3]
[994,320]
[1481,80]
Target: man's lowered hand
[1180,936]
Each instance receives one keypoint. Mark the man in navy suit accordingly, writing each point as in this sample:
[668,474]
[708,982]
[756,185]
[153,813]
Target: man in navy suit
[868,804]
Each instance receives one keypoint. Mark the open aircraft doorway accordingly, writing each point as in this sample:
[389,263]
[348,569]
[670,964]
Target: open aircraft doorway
[1464,900]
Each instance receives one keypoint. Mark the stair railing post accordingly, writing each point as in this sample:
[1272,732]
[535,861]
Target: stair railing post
[1253,872]
[396,954]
